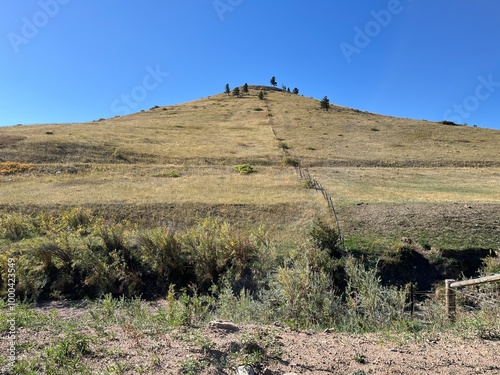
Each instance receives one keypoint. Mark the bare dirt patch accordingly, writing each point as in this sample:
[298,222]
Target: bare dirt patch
[212,350]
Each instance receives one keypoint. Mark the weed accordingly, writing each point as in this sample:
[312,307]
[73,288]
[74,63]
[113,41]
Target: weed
[77,218]
[67,353]
[244,168]
[192,366]
[163,253]
[168,174]
[288,161]
[283,145]
[309,184]
[9,168]
[214,249]
[17,226]
[360,358]
[326,237]
[119,154]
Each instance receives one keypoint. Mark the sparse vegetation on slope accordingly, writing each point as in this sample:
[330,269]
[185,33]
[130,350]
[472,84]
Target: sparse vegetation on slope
[150,205]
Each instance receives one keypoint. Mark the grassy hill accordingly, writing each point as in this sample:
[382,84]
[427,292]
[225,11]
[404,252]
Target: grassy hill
[178,160]
[153,206]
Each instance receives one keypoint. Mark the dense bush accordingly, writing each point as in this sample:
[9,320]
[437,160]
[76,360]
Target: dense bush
[77,255]
[208,270]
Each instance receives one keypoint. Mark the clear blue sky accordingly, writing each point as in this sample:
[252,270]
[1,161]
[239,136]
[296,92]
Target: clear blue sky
[80,60]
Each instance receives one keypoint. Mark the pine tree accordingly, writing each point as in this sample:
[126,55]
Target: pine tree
[296,91]
[273,81]
[245,88]
[228,90]
[236,91]
[325,103]
[261,95]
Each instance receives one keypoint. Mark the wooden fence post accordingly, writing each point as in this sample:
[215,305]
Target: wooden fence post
[450,299]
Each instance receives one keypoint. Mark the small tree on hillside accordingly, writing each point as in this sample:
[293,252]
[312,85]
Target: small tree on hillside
[228,90]
[325,103]
[261,95]
[236,91]
[296,91]
[273,81]
[245,88]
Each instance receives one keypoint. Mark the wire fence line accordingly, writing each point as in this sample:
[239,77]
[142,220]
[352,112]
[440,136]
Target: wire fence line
[306,176]
[479,296]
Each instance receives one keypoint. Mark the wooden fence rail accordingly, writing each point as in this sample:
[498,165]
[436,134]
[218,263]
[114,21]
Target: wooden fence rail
[450,295]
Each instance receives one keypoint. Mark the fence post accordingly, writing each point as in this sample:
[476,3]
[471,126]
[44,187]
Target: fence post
[450,299]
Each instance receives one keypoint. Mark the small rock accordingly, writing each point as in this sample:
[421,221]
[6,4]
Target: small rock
[267,372]
[227,326]
[245,370]
[328,330]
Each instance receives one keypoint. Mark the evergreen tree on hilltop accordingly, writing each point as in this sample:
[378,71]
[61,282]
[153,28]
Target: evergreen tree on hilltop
[228,90]
[325,103]
[236,91]
[273,81]
[261,95]
[296,91]
[245,88]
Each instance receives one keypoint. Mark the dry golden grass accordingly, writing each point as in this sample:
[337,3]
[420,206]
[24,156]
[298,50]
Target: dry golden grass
[226,130]
[216,130]
[410,185]
[127,160]
[146,185]
[347,137]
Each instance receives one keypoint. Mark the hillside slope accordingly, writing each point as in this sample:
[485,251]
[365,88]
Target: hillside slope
[178,160]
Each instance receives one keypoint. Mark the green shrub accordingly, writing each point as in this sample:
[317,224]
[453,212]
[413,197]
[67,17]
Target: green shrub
[77,218]
[309,184]
[370,305]
[17,226]
[214,249]
[288,161]
[283,145]
[162,252]
[244,168]
[186,309]
[326,237]
[303,293]
[67,353]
